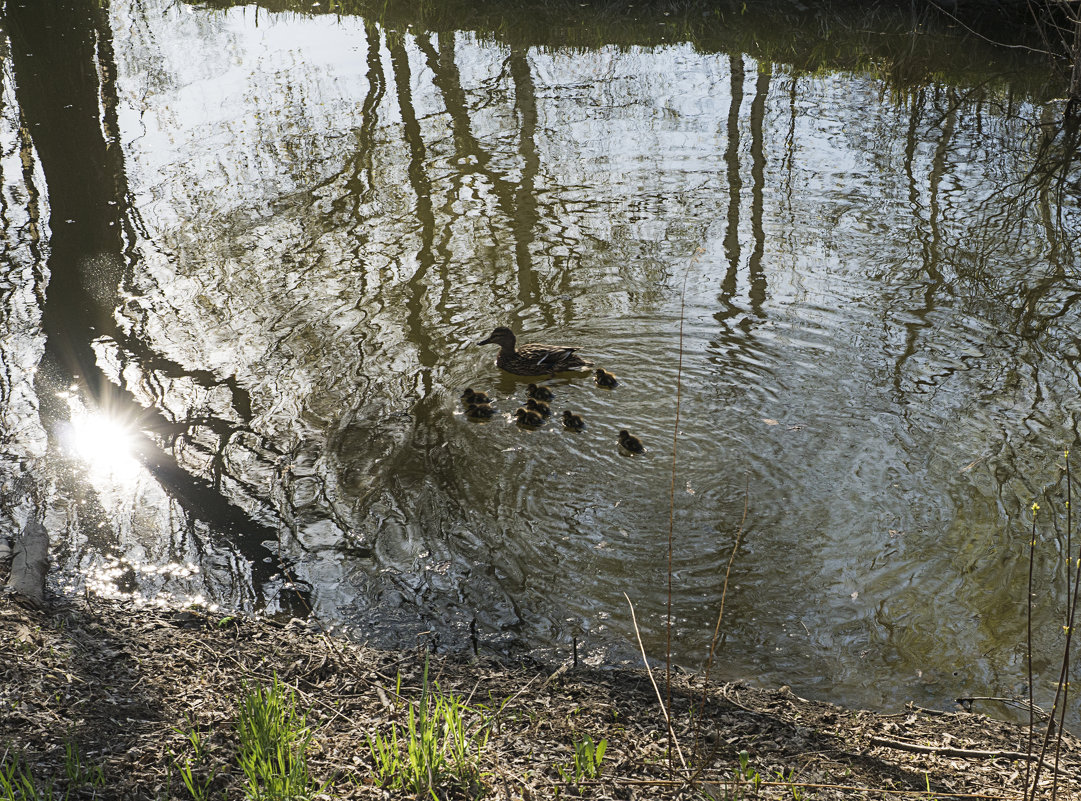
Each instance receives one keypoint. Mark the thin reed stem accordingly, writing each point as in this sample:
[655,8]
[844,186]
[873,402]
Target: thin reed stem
[1062,689]
[720,614]
[664,710]
[1028,651]
[1071,604]
[672,508]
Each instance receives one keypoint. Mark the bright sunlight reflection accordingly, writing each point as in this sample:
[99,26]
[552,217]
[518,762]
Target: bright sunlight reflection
[104,443]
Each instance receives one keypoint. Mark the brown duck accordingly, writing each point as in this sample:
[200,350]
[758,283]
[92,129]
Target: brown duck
[469,396]
[532,359]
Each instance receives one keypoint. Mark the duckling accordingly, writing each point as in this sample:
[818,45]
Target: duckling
[479,411]
[540,407]
[605,379]
[539,393]
[630,443]
[469,396]
[528,417]
[573,421]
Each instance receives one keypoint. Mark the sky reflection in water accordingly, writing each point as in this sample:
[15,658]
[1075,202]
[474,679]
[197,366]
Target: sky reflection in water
[331,213]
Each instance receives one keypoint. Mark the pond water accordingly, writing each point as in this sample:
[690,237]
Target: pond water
[240,304]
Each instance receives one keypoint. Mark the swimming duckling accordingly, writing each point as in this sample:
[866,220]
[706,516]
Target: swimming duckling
[573,421]
[630,443]
[605,379]
[469,396]
[539,393]
[528,417]
[540,407]
[479,411]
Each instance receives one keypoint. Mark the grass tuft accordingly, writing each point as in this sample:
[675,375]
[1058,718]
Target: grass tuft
[437,749]
[274,740]
[18,784]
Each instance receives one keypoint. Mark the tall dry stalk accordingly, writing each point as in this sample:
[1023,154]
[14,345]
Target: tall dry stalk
[1028,650]
[672,510]
[1073,572]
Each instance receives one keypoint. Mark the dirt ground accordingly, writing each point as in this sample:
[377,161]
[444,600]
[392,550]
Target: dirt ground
[123,685]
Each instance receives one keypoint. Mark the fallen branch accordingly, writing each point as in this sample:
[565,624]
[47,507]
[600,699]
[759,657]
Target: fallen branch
[944,750]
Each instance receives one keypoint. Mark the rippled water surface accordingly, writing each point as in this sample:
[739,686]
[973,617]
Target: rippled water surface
[240,307]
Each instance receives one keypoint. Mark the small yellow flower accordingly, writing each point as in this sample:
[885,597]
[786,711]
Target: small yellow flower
[1035,507]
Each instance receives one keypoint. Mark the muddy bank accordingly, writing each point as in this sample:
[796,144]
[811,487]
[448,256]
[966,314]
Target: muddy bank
[124,685]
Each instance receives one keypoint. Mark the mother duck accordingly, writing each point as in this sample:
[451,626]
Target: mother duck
[532,359]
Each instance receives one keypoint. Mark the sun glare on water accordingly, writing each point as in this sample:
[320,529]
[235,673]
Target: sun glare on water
[104,443]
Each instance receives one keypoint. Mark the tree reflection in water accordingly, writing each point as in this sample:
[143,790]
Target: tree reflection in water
[272,239]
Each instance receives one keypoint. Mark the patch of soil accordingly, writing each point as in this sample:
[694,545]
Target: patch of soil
[124,686]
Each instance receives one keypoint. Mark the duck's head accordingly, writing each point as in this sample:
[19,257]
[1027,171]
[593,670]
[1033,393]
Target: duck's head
[501,336]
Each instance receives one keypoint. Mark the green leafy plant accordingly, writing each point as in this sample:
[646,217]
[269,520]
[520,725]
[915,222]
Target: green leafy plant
[746,777]
[587,760]
[436,749]
[17,783]
[790,780]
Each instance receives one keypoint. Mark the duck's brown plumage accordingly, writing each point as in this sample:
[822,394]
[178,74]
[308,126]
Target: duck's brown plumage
[630,442]
[573,421]
[540,407]
[539,393]
[479,411]
[605,379]
[469,396]
[528,417]
[532,359]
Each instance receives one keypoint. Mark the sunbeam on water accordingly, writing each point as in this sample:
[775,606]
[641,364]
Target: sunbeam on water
[104,443]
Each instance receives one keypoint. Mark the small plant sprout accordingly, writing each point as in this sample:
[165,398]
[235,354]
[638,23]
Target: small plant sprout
[79,772]
[587,760]
[745,775]
[189,769]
